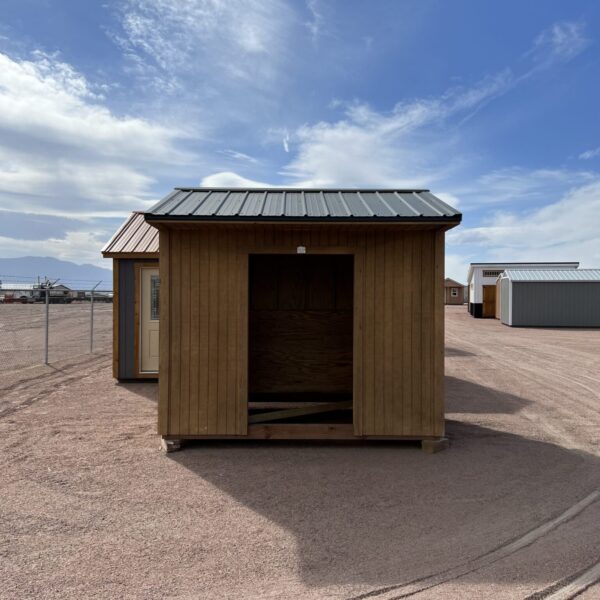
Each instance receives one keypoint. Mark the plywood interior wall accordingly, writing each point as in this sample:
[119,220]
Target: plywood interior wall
[300,324]
[397,342]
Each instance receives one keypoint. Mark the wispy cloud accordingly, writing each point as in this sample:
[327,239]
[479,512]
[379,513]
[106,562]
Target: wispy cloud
[588,154]
[241,156]
[407,146]
[286,141]
[520,186]
[315,24]
[418,141]
[168,42]
[561,42]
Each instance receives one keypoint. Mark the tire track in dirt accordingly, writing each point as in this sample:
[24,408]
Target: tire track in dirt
[45,384]
[570,587]
[521,369]
[417,586]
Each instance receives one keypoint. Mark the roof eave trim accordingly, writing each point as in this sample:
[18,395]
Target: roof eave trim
[297,189]
[454,219]
[130,254]
[499,264]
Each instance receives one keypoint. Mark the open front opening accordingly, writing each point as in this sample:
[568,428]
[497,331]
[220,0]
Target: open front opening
[300,339]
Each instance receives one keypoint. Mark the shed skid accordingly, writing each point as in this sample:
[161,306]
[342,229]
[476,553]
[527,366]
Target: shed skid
[315,431]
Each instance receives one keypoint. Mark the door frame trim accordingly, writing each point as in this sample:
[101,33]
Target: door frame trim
[357,256]
[137,342]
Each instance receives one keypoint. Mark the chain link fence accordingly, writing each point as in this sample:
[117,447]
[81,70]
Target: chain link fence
[45,326]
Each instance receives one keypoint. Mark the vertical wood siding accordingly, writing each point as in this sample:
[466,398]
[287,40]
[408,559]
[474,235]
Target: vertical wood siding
[398,325]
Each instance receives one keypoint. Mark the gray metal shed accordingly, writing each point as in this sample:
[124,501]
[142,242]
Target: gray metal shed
[550,298]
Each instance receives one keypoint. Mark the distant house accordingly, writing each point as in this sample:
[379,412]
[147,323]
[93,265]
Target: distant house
[59,294]
[16,286]
[549,298]
[454,292]
[17,292]
[482,279]
[35,292]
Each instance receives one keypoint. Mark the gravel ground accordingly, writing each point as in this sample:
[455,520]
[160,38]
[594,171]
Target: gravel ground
[22,329]
[90,508]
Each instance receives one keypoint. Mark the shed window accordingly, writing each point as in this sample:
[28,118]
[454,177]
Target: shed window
[454,292]
[154,297]
[492,273]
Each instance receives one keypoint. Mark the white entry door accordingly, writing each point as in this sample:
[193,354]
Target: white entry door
[150,304]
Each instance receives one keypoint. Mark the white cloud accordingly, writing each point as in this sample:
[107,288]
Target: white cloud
[62,151]
[457,267]
[563,230]
[78,246]
[229,179]
[409,146]
[45,101]
[590,154]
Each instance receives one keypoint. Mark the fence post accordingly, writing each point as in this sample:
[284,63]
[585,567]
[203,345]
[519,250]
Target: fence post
[92,317]
[47,326]
[92,321]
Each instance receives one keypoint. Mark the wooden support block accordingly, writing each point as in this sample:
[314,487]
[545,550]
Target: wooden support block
[170,445]
[435,445]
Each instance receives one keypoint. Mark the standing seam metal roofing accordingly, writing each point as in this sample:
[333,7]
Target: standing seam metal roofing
[552,275]
[133,237]
[292,203]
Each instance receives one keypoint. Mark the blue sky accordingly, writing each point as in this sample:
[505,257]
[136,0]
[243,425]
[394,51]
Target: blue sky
[105,106]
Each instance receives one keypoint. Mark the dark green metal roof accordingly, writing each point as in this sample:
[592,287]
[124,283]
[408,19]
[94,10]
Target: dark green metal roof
[291,204]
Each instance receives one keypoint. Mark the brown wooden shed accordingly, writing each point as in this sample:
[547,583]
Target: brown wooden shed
[134,253]
[454,292]
[301,314]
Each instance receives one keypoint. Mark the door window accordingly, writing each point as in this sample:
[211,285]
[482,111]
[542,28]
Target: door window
[154,297]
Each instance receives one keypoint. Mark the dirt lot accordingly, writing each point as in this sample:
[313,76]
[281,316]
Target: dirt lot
[89,507]
[22,328]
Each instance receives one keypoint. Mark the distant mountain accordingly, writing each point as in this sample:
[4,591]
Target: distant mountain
[27,269]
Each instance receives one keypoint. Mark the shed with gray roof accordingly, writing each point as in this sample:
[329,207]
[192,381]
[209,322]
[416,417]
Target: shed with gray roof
[299,313]
[482,278]
[550,298]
